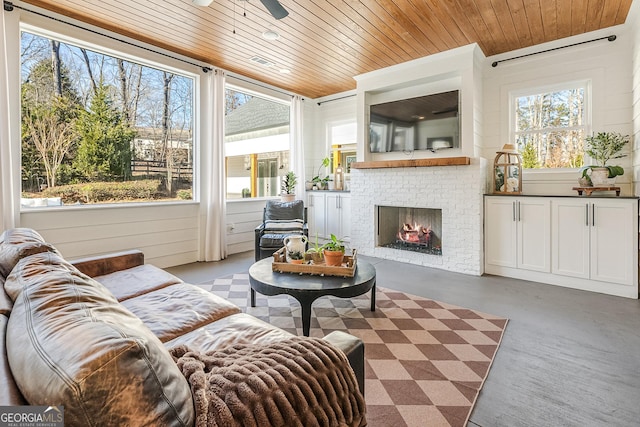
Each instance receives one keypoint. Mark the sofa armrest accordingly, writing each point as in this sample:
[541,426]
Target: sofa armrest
[109,263]
[353,348]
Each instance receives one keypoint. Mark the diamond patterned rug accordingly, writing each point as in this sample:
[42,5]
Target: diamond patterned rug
[426,361]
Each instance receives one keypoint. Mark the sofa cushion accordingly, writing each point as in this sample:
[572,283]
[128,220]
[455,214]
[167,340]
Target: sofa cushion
[284,226]
[238,328]
[136,281]
[17,243]
[178,309]
[276,210]
[271,240]
[5,301]
[9,393]
[71,343]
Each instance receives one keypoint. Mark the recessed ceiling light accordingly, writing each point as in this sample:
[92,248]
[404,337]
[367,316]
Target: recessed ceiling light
[202,2]
[285,71]
[270,35]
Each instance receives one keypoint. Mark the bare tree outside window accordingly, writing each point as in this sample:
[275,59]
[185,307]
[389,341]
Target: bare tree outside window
[102,129]
[550,128]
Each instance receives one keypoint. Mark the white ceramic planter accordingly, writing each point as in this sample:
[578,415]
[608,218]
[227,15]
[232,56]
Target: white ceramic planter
[600,177]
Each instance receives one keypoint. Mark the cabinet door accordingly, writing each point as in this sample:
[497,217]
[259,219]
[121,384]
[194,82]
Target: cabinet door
[612,242]
[570,237]
[316,216]
[345,216]
[500,231]
[534,233]
[333,215]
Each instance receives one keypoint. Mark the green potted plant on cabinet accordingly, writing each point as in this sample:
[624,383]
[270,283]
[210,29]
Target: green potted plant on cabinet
[321,183]
[602,147]
[333,251]
[288,187]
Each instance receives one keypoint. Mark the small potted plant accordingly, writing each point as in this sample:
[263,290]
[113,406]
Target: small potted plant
[321,183]
[602,147]
[295,257]
[288,187]
[315,252]
[333,251]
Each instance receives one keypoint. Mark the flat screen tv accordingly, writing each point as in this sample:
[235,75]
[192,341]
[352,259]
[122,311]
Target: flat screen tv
[428,122]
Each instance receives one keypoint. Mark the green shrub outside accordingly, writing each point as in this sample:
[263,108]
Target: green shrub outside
[184,194]
[100,192]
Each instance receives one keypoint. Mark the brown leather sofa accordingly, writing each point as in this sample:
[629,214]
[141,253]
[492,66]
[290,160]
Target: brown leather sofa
[94,335]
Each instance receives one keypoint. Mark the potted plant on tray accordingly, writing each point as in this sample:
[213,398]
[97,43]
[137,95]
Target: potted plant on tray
[333,251]
[288,187]
[296,257]
[602,147]
[315,252]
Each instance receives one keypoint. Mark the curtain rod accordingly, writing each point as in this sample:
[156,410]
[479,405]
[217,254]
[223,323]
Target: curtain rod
[336,99]
[610,38]
[8,6]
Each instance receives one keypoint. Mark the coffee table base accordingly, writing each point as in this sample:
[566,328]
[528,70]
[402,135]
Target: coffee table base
[306,300]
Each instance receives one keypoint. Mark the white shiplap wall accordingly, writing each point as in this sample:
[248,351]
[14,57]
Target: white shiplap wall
[243,216]
[633,23]
[167,233]
[340,107]
[606,64]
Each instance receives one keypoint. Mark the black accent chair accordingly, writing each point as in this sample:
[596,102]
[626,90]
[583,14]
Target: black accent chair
[279,220]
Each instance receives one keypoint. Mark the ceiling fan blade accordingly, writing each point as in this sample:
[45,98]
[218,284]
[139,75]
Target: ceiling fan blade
[275,8]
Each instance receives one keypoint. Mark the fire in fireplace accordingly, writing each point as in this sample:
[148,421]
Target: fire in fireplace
[410,229]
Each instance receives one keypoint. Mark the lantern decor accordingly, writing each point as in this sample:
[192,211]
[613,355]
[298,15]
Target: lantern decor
[507,171]
[338,178]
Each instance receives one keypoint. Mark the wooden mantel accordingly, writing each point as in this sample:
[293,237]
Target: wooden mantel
[415,163]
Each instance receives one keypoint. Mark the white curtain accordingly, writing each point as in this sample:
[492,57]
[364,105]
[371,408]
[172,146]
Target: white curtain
[297,143]
[9,121]
[212,166]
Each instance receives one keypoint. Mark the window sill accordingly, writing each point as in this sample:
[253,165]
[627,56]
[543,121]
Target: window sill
[96,206]
[550,174]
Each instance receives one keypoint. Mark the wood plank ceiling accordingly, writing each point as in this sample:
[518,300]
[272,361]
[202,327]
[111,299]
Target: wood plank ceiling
[325,43]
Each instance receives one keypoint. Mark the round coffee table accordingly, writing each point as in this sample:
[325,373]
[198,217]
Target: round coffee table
[307,288]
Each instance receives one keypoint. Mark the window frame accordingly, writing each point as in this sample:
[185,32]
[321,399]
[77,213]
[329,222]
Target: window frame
[514,94]
[257,90]
[131,52]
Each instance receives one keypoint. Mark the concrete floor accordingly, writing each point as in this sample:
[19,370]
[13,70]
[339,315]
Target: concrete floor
[568,357]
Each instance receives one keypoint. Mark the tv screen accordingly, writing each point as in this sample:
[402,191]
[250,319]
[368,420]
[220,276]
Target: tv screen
[428,122]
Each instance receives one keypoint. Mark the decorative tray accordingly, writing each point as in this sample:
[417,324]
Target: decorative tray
[347,269]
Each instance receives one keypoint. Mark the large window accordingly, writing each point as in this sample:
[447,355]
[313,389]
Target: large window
[550,126]
[256,143]
[98,128]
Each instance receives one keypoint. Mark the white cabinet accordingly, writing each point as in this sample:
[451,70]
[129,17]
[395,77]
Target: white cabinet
[570,238]
[585,243]
[518,232]
[592,239]
[329,212]
[338,214]
[316,218]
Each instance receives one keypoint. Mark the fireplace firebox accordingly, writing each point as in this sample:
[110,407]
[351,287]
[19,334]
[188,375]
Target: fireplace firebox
[410,229]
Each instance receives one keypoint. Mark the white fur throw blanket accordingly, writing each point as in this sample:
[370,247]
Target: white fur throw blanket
[301,382]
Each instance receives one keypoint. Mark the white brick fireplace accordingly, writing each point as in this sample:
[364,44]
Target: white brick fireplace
[457,190]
